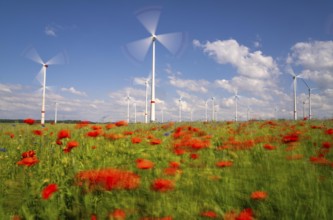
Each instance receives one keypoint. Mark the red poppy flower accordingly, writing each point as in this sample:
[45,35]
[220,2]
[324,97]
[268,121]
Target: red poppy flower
[224,164]
[28,161]
[136,140]
[258,195]
[290,138]
[155,141]
[326,145]
[96,127]
[93,217]
[319,160]
[246,214]
[49,190]
[128,133]
[109,126]
[30,153]
[144,164]
[70,146]
[209,214]
[174,164]
[117,214]
[38,132]
[269,147]
[94,133]
[29,121]
[63,134]
[329,131]
[108,179]
[121,123]
[162,185]
[82,124]
[179,151]
[58,142]
[194,156]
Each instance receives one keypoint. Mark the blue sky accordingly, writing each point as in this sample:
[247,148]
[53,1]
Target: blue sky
[243,45]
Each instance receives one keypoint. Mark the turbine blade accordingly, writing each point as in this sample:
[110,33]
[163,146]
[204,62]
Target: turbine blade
[149,18]
[305,83]
[60,58]
[32,54]
[138,49]
[290,71]
[40,76]
[173,42]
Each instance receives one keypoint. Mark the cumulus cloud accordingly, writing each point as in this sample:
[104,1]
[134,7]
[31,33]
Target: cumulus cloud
[200,86]
[249,64]
[73,91]
[312,55]
[316,60]
[50,31]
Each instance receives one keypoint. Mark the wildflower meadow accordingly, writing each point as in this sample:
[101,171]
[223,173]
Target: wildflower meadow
[199,170]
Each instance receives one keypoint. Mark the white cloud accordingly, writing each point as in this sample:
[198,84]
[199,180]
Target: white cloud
[5,88]
[188,84]
[249,64]
[316,59]
[315,55]
[73,91]
[50,31]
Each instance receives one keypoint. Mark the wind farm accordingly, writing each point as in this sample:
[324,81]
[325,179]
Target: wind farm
[185,110]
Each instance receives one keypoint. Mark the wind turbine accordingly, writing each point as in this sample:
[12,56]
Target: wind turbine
[56,112]
[213,108]
[236,96]
[128,98]
[309,90]
[180,108]
[34,56]
[146,104]
[206,109]
[291,72]
[171,41]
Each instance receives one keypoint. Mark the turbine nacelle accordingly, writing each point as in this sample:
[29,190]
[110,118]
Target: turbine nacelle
[46,65]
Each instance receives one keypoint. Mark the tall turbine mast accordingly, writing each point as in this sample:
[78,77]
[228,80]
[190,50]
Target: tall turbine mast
[180,108]
[56,113]
[213,108]
[146,106]
[309,90]
[171,41]
[294,76]
[34,56]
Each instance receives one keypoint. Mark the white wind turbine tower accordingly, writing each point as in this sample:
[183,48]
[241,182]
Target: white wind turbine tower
[309,90]
[56,113]
[213,108]
[171,41]
[236,103]
[291,72]
[34,56]
[146,103]
[180,108]
[128,98]
[206,109]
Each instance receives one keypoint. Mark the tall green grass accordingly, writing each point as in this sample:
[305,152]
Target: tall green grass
[297,189]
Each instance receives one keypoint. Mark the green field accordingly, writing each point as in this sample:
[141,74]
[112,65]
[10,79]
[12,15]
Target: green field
[222,170]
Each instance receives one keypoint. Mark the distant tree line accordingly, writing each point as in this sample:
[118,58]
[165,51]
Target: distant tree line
[38,121]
